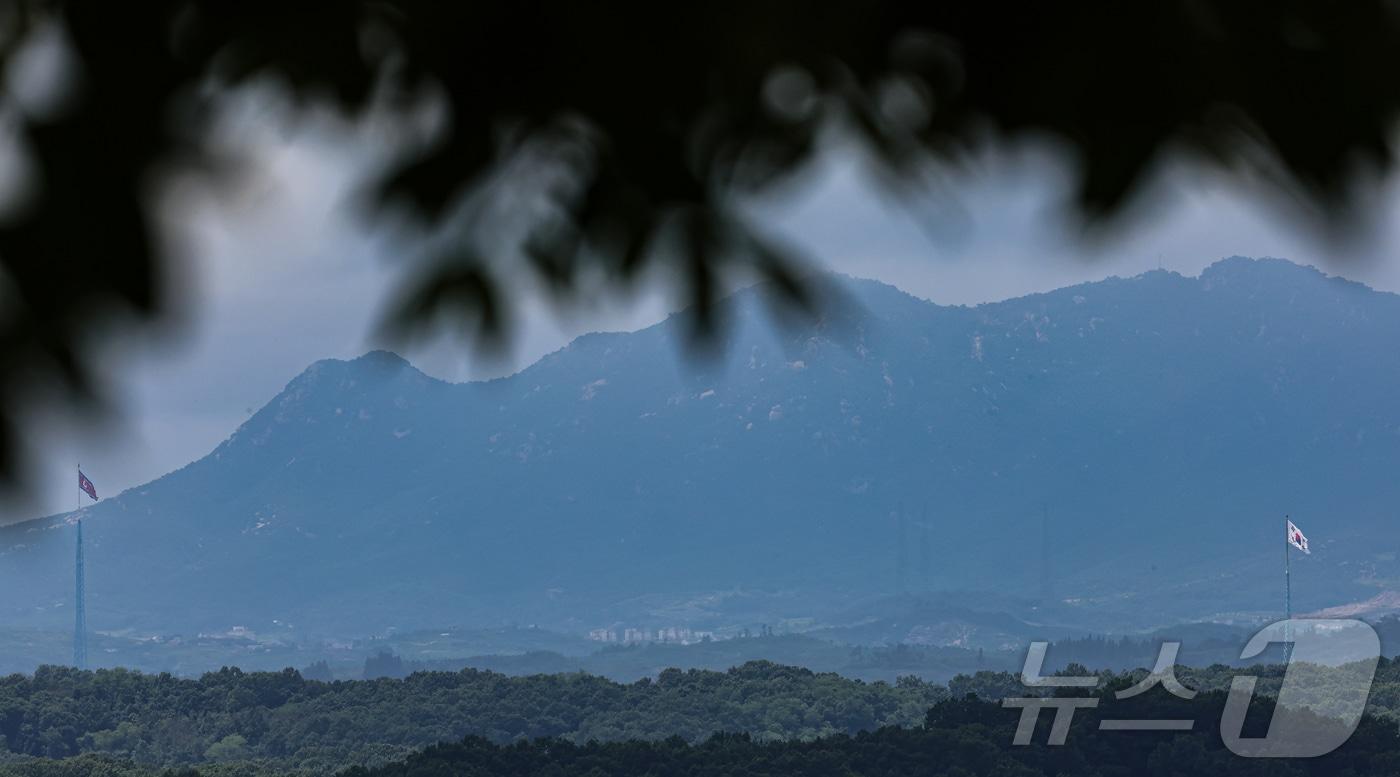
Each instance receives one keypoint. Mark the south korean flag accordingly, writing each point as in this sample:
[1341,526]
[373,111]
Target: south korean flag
[1296,539]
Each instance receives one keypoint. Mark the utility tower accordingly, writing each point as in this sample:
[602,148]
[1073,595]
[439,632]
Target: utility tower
[80,612]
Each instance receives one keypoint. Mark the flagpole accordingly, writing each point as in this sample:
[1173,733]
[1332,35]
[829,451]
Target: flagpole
[80,610]
[1287,591]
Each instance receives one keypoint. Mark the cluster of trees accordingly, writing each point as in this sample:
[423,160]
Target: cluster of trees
[960,738]
[630,662]
[283,719]
[775,719]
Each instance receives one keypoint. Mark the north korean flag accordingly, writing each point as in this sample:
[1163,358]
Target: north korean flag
[87,486]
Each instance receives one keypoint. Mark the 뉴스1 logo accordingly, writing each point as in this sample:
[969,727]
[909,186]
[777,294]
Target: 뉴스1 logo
[1340,654]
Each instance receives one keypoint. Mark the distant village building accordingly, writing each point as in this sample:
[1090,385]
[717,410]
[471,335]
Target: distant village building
[675,635]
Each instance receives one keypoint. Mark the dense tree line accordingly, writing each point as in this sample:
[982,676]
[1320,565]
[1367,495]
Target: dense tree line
[626,663]
[284,719]
[961,738]
[63,722]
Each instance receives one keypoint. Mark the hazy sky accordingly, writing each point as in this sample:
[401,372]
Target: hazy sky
[281,274]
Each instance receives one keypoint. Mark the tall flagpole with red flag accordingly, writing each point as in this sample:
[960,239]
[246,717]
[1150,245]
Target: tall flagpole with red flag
[85,486]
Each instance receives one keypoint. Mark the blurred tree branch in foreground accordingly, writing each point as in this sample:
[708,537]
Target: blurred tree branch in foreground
[630,131]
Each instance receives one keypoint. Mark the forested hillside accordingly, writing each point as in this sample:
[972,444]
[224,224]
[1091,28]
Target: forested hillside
[961,738]
[292,723]
[61,721]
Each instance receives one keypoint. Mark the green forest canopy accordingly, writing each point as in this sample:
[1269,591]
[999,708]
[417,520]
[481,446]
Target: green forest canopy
[63,719]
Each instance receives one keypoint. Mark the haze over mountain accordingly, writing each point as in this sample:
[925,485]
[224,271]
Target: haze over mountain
[1161,426]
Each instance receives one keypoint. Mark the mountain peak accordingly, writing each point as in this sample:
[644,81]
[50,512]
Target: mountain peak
[380,358]
[333,380]
[373,365]
[1245,267]
[1270,276]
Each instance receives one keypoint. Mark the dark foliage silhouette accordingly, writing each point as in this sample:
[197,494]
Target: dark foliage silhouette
[633,130]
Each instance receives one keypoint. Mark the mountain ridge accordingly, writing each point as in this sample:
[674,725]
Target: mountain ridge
[606,469]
